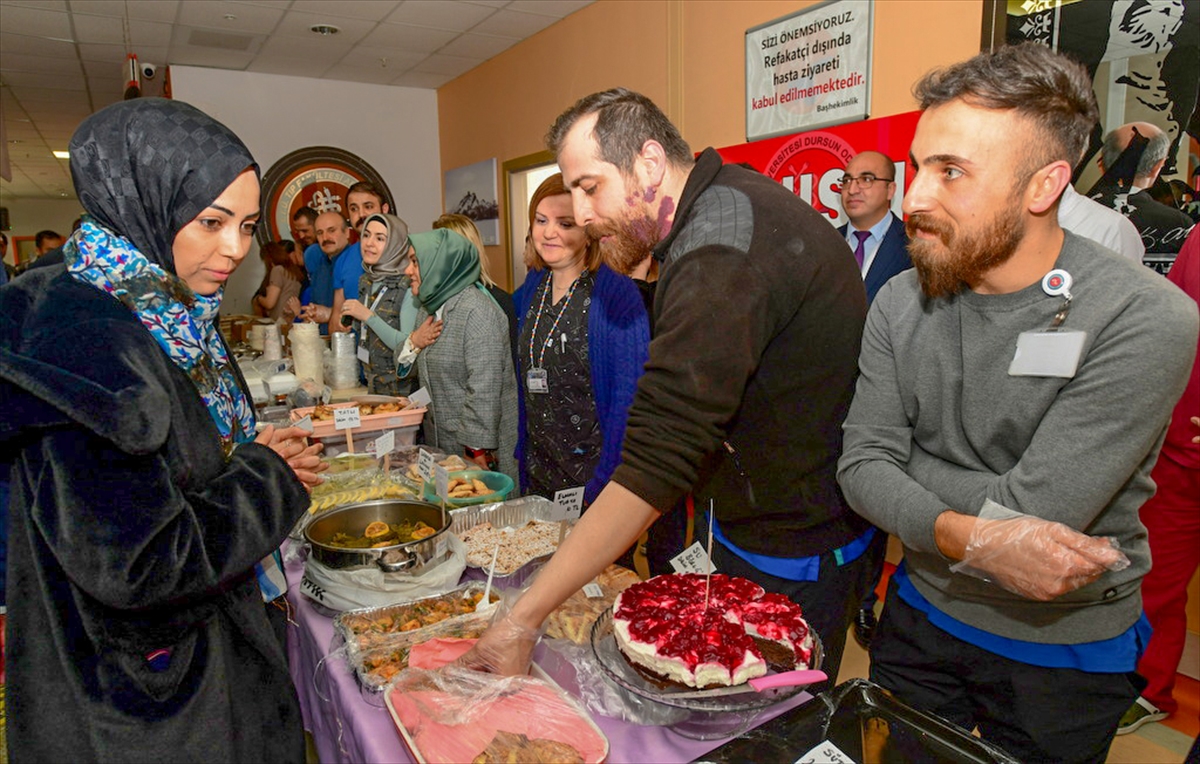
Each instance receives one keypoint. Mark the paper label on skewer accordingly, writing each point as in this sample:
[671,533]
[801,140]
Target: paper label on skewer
[419,399]
[385,443]
[593,590]
[825,753]
[694,559]
[568,504]
[304,424]
[346,418]
[441,479]
[425,464]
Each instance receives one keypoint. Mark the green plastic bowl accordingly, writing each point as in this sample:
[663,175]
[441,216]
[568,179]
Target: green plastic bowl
[500,484]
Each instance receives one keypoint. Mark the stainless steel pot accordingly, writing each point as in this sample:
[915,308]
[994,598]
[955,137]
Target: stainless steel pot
[412,557]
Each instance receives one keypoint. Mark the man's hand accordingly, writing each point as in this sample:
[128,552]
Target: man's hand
[318,314]
[1035,558]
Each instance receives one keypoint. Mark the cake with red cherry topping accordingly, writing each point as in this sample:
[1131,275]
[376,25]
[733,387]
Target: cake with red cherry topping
[662,627]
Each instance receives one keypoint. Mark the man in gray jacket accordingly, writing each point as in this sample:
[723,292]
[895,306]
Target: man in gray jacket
[1013,394]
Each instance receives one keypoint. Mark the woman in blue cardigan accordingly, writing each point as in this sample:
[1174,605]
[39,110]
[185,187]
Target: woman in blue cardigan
[583,340]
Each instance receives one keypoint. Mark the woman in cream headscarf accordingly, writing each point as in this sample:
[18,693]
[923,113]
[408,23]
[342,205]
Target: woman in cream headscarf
[468,371]
[385,312]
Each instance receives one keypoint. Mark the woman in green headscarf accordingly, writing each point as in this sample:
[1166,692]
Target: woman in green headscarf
[468,369]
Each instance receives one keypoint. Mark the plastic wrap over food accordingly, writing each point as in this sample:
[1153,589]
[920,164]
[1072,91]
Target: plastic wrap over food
[458,715]
[573,619]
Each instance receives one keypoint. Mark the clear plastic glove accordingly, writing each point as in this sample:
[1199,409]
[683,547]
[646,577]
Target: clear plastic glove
[506,648]
[1035,558]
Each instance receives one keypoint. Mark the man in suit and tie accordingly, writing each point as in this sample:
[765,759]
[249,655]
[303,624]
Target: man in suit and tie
[875,234]
[880,245]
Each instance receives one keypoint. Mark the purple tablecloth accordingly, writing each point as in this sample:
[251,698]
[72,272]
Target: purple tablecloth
[351,725]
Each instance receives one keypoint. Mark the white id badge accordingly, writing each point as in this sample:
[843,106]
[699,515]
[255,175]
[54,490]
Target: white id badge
[537,381]
[1047,354]
[364,355]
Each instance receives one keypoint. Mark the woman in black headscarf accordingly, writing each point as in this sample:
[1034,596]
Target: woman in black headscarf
[142,501]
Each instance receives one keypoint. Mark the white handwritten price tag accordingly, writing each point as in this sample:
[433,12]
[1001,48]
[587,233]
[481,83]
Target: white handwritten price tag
[825,753]
[346,418]
[425,464]
[419,399]
[385,443]
[593,590]
[304,424]
[692,560]
[568,504]
[441,479]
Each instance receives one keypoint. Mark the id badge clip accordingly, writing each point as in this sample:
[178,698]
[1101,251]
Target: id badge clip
[1053,352]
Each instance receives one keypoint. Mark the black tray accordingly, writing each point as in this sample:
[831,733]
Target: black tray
[854,716]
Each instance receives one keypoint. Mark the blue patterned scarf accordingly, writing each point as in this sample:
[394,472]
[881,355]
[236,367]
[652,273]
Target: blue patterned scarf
[182,322]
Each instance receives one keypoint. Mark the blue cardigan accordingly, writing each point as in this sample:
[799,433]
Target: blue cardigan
[618,346]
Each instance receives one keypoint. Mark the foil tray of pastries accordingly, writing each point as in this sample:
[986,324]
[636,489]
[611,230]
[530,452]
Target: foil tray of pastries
[523,530]
[573,619]
[378,639]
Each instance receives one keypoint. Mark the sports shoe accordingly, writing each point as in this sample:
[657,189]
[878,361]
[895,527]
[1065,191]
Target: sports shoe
[1141,712]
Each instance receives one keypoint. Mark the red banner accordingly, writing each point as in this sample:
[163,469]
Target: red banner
[811,164]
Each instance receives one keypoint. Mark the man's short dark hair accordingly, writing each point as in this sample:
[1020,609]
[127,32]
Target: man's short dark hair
[625,121]
[41,237]
[366,187]
[307,213]
[1049,88]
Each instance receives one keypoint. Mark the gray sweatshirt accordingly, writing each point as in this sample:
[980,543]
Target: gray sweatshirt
[937,423]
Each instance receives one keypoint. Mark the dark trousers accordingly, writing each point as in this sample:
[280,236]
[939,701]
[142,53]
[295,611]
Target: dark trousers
[1036,714]
[829,603]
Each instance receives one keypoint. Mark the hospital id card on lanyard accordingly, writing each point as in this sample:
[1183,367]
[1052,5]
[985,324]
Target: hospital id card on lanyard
[363,353]
[1053,352]
[537,379]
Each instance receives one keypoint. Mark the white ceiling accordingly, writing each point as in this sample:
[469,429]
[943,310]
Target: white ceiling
[61,60]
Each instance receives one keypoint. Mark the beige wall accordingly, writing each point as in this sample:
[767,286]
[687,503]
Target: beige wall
[686,55]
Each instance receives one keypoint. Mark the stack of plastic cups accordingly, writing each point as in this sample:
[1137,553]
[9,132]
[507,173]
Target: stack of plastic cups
[343,361]
[272,342]
[307,351]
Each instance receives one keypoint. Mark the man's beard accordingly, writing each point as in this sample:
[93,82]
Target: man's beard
[954,259]
[627,242]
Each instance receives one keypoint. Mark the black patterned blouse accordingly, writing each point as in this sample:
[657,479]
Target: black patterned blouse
[563,436]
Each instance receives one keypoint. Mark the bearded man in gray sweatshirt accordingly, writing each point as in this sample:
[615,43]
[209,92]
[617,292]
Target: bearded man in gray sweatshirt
[1014,390]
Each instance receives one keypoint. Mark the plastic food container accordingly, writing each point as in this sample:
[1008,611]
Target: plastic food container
[376,647]
[500,484]
[371,423]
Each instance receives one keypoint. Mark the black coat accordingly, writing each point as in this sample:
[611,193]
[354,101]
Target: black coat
[130,534]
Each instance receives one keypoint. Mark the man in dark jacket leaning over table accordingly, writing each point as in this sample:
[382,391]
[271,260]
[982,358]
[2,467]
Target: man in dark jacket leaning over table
[1014,390]
[757,318]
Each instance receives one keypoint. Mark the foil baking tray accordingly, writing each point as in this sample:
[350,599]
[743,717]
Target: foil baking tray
[365,648]
[508,514]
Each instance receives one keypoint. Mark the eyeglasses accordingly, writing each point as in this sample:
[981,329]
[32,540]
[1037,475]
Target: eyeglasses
[864,181]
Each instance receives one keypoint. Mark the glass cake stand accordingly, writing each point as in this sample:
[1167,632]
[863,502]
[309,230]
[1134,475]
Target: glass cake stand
[700,715]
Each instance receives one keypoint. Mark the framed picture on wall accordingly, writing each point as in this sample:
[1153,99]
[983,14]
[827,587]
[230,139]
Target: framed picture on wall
[24,248]
[471,191]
